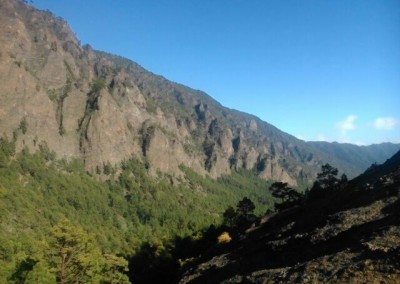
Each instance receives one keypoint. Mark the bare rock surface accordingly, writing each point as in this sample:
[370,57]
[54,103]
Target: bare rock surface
[95,106]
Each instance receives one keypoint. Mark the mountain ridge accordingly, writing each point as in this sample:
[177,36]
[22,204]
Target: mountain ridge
[104,108]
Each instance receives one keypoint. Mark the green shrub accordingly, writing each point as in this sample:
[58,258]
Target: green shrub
[23,125]
[97,85]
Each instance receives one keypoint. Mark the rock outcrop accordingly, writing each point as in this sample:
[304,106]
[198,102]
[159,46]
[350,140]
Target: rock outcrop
[103,109]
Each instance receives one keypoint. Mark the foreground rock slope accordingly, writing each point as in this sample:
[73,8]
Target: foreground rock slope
[349,236]
[103,109]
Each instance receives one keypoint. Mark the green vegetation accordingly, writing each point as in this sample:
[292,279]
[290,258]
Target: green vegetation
[60,224]
[23,125]
[288,196]
[70,74]
[35,193]
[242,217]
[147,133]
[130,126]
[119,216]
[75,257]
[151,105]
[97,85]
[53,94]
[70,256]
[327,181]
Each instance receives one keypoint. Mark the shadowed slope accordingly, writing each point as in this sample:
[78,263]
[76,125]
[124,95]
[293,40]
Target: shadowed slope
[350,235]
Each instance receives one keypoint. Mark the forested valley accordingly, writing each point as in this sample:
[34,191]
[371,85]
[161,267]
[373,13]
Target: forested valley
[122,215]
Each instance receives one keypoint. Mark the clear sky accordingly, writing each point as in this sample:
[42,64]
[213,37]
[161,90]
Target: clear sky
[320,70]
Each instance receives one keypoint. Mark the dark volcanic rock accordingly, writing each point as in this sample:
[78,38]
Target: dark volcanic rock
[350,236]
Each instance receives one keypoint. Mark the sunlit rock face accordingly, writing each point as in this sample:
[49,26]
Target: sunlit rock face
[104,109]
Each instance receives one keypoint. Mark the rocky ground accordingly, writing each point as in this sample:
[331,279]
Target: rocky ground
[350,236]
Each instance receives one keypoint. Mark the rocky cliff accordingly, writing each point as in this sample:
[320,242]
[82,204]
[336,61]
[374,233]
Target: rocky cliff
[101,108]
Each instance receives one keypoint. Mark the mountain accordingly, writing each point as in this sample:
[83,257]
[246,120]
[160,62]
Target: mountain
[350,235]
[133,168]
[103,109]
[352,157]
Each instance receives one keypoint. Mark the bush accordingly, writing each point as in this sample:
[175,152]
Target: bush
[97,85]
[7,147]
[224,238]
[23,125]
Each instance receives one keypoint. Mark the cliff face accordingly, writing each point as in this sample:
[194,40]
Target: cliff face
[103,109]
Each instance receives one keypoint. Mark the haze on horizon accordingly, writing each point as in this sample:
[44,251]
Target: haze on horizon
[316,69]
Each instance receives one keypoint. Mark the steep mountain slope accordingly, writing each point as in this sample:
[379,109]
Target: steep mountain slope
[352,157]
[103,109]
[350,235]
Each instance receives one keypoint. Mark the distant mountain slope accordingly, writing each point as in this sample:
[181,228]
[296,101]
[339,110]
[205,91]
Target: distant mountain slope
[349,236]
[355,158]
[103,109]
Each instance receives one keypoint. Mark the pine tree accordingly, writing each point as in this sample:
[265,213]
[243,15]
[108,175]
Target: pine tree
[76,258]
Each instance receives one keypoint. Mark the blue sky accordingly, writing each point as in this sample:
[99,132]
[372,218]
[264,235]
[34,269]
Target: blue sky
[320,70]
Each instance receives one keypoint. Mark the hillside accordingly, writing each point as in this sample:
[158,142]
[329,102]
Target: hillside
[102,109]
[354,157]
[122,214]
[349,235]
[110,173]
